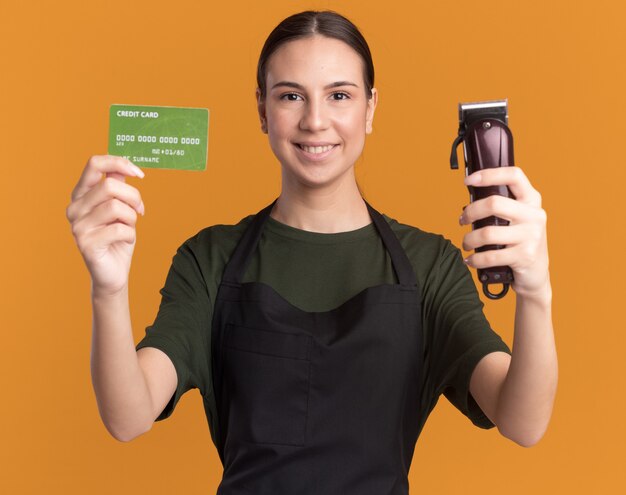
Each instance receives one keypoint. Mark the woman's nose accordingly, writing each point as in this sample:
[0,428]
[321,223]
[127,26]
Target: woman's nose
[314,117]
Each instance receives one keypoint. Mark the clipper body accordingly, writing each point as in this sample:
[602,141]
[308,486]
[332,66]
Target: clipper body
[487,143]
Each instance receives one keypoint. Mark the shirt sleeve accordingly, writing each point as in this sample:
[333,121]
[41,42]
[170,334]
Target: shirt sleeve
[460,334]
[182,325]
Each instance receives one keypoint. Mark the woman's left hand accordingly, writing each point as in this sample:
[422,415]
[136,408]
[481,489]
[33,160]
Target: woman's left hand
[525,237]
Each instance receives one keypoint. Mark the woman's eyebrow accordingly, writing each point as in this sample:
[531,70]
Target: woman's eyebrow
[295,85]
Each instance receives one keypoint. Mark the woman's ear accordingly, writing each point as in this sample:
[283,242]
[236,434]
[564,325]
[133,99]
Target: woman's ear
[371,107]
[260,102]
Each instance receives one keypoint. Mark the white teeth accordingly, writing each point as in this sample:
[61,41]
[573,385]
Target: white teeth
[316,149]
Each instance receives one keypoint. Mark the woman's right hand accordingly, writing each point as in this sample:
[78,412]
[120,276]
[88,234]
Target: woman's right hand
[103,214]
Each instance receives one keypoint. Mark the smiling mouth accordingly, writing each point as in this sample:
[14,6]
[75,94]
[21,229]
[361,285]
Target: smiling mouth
[316,149]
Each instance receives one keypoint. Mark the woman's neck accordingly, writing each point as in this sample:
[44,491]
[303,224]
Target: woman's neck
[321,210]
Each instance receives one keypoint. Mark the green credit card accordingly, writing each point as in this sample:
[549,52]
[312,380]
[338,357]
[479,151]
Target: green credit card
[160,137]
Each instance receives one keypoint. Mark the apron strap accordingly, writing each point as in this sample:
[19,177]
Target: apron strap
[401,263]
[239,260]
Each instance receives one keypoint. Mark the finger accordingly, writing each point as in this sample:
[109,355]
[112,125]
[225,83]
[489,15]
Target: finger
[99,165]
[107,189]
[494,235]
[108,235]
[107,213]
[500,206]
[513,177]
[116,176]
[493,257]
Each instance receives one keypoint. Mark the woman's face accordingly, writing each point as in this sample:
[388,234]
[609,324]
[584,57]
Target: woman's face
[316,111]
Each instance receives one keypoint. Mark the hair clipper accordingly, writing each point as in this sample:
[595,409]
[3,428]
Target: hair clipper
[487,143]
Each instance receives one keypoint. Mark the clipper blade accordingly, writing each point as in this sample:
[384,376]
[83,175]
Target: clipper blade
[472,111]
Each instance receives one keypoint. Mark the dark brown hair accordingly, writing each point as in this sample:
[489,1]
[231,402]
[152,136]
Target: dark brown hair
[325,23]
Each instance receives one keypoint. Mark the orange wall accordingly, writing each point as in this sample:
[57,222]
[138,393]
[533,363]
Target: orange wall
[560,64]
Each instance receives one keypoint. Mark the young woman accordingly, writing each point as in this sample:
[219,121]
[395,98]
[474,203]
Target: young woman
[319,332]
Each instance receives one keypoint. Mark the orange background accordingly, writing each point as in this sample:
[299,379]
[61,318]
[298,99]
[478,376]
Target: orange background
[561,65]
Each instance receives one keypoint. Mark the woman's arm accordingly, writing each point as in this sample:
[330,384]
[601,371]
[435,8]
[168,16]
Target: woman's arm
[131,387]
[516,392]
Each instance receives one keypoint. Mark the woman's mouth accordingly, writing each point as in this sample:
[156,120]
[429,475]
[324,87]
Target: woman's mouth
[315,152]
[316,149]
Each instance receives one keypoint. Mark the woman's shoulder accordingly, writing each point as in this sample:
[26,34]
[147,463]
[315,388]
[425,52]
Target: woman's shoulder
[417,240]
[437,262]
[431,254]
[220,237]
[205,253]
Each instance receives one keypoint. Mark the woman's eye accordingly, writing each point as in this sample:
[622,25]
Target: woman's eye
[290,97]
[340,96]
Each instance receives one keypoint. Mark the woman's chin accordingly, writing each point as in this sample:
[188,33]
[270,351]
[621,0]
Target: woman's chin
[315,177]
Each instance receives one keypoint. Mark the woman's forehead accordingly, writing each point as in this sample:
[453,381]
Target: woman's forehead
[315,59]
